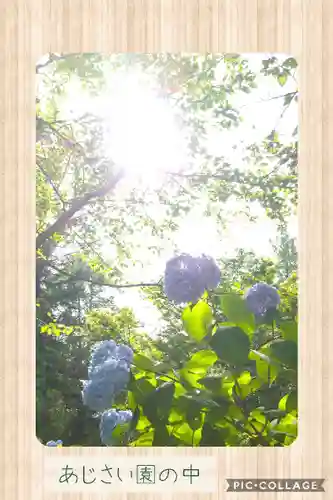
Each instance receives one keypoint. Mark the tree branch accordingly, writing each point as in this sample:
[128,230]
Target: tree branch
[95,282]
[60,224]
[52,58]
[54,187]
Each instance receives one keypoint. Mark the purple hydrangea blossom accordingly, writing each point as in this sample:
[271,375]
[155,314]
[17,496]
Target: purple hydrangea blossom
[211,274]
[187,277]
[109,420]
[109,373]
[98,394]
[262,297]
[101,352]
[125,353]
[55,444]
[124,416]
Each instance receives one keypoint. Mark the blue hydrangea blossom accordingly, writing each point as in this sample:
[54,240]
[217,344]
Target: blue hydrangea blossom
[101,352]
[55,444]
[98,394]
[109,373]
[109,420]
[261,298]
[211,274]
[187,277]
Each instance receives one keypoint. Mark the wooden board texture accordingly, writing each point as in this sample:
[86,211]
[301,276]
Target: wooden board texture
[29,29]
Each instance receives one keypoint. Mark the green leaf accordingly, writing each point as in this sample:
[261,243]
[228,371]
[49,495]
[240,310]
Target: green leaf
[270,397]
[141,389]
[234,307]
[287,425]
[285,351]
[135,419]
[290,63]
[143,423]
[145,439]
[283,403]
[215,415]
[194,416]
[201,359]
[213,383]
[143,363]
[266,369]
[131,403]
[245,378]
[157,405]
[282,79]
[197,320]
[289,330]
[231,344]
[211,436]
[161,435]
[292,401]
[187,435]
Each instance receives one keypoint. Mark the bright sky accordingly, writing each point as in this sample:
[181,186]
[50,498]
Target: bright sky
[143,136]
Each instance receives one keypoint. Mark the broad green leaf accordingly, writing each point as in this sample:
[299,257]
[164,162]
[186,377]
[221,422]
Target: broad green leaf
[187,435]
[157,405]
[161,435]
[287,425]
[258,416]
[234,307]
[289,330]
[215,415]
[267,370]
[179,390]
[282,79]
[285,351]
[192,376]
[176,416]
[231,345]
[211,436]
[290,63]
[143,363]
[143,423]
[213,383]
[145,439]
[194,416]
[197,320]
[201,359]
[292,401]
[235,412]
[269,397]
[141,389]
[245,378]
[283,403]
[131,403]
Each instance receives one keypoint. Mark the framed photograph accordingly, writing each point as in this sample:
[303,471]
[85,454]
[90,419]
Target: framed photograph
[166,323]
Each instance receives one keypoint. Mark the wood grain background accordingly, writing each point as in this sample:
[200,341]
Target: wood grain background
[29,29]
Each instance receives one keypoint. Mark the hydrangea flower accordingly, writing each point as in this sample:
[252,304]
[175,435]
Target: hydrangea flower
[124,352]
[262,297]
[187,277]
[109,420]
[98,394]
[109,373]
[211,274]
[101,352]
[55,444]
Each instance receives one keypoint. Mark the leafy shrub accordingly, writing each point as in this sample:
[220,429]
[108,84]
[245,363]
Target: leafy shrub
[239,387]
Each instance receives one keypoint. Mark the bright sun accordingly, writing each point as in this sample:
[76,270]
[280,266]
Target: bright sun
[141,130]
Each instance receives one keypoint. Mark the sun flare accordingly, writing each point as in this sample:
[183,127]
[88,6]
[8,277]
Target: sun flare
[142,134]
